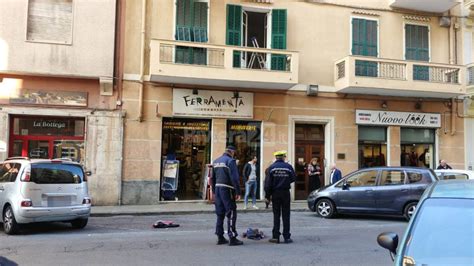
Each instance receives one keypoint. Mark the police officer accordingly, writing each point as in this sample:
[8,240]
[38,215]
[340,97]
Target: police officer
[226,186]
[278,181]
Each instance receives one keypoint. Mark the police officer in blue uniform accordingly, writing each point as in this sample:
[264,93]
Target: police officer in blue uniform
[278,181]
[226,186]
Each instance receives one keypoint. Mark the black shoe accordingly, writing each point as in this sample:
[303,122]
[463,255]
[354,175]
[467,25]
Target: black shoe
[235,242]
[274,240]
[288,241]
[221,240]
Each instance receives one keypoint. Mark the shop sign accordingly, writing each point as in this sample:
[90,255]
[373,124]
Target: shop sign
[60,98]
[407,119]
[49,124]
[225,104]
[185,125]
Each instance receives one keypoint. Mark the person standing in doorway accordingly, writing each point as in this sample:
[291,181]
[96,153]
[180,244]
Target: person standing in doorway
[314,173]
[277,187]
[336,174]
[225,184]
[443,165]
[250,175]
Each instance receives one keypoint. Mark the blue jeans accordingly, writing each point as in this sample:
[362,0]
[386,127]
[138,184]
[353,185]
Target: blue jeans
[251,185]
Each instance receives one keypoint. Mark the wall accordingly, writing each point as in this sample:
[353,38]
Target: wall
[90,54]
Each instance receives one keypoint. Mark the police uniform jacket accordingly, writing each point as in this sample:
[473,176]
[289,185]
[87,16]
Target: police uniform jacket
[225,173]
[280,175]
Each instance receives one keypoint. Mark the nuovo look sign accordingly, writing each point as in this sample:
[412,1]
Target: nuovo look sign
[407,119]
[212,103]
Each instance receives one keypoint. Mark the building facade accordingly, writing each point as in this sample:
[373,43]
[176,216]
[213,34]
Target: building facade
[468,37]
[57,93]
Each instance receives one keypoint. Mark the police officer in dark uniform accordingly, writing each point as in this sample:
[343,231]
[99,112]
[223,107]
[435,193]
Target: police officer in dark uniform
[278,181]
[226,186]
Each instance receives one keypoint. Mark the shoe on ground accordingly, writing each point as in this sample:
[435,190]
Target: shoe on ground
[235,242]
[274,240]
[245,207]
[221,240]
[288,241]
[255,207]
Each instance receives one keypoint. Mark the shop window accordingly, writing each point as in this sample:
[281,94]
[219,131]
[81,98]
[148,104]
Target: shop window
[392,178]
[246,137]
[372,146]
[362,179]
[50,21]
[417,147]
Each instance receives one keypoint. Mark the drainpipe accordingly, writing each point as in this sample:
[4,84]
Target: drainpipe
[451,40]
[453,117]
[142,62]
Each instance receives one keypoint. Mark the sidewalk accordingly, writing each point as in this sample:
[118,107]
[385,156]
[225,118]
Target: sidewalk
[176,208]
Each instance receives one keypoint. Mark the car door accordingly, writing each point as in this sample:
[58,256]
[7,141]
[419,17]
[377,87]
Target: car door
[418,182]
[4,178]
[392,191]
[358,193]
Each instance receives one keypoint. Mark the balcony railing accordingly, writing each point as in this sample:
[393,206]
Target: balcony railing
[355,73]
[212,64]
[470,74]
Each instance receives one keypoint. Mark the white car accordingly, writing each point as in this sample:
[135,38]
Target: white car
[454,174]
[39,190]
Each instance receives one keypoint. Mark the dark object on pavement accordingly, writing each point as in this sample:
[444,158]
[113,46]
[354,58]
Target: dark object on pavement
[254,234]
[164,224]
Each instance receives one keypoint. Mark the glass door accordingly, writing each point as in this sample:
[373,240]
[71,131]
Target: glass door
[38,149]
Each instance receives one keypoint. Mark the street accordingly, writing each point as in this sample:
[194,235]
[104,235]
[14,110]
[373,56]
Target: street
[131,240]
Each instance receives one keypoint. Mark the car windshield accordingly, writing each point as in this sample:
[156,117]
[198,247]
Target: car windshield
[442,233]
[50,173]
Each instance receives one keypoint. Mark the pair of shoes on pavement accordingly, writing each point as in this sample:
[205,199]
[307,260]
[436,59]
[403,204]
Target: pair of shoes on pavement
[277,240]
[233,241]
[253,206]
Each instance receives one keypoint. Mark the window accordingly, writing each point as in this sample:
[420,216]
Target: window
[417,48]
[372,146]
[414,177]
[50,21]
[392,178]
[362,179]
[48,173]
[455,176]
[9,172]
[365,42]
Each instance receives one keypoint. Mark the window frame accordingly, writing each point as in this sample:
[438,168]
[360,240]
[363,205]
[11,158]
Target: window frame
[68,43]
[351,33]
[405,41]
[405,177]
[377,177]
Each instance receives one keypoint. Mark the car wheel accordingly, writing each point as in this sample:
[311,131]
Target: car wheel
[79,223]
[10,226]
[325,208]
[409,210]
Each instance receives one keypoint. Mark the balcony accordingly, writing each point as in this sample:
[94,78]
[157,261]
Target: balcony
[178,62]
[470,78]
[432,6]
[376,76]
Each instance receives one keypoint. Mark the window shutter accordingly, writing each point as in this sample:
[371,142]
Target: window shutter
[234,30]
[417,43]
[364,37]
[184,20]
[279,25]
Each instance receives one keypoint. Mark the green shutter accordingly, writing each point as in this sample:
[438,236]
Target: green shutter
[417,48]
[234,30]
[365,42]
[191,26]
[279,24]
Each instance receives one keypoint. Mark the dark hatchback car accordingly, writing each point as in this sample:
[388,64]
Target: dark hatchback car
[441,231]
[378,190]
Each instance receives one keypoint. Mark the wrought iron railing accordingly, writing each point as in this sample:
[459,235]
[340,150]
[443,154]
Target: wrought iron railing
[470,75]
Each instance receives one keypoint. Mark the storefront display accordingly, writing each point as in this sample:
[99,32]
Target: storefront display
[47,137]
[417,147]
[187,141]
[372,146]
[246,137]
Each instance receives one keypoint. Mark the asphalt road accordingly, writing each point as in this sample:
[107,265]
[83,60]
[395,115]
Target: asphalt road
[131,240]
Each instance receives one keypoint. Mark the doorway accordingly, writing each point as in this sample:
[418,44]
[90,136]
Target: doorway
[188,141]
[254,35]
[309,145]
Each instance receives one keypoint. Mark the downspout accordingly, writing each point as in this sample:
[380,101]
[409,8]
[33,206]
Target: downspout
[142,62]
[453,117]
[119,41]
[451,40]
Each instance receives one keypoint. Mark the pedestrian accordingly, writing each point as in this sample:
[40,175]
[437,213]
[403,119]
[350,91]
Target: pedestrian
[277,187]
[250,175]
[314,173]
[336,174]
[443,165]
[225,184]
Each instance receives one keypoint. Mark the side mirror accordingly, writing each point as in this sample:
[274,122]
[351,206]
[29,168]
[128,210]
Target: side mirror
[345,186]
[388,240]
[88,173]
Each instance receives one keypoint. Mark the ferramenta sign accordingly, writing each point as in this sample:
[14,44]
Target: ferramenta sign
[212,103]
[407,119]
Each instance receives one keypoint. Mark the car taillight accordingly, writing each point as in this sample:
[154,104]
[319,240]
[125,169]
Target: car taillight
[26,203]
[86,201]
[26,177]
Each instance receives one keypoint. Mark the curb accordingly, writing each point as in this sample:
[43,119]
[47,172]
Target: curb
[151,213]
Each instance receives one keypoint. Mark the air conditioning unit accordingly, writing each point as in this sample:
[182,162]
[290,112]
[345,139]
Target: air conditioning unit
[445,22]
[312,90]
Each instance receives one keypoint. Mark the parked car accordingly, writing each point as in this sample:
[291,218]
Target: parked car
[454,174]
[39,190]
[441,231]
[378,190]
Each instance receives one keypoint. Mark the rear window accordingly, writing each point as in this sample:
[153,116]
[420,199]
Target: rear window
[50,173]
[455,176]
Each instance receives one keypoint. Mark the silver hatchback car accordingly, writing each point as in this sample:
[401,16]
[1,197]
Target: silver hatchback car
[39,190]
